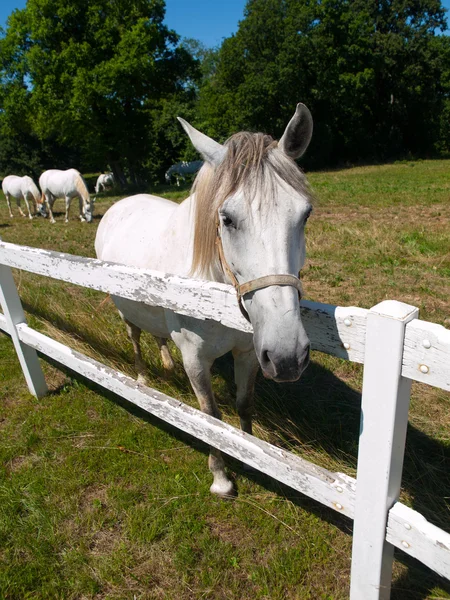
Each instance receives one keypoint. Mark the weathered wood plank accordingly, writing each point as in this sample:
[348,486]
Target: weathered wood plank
[335,330]
[13,315]
[334,490]
[384,419]
[426,355]
[200,299]
[412,533]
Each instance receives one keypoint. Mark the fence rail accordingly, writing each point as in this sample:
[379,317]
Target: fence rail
[393,344]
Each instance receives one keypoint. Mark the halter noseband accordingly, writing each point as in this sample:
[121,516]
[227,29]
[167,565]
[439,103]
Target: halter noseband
[254,284]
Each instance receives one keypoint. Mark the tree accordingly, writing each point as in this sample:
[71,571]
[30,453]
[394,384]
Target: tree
[370,70]
[96,73]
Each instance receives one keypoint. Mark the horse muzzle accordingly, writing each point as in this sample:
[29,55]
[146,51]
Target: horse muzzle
[283,368]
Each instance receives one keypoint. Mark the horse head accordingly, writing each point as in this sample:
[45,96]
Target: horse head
[258,202]
[89,209]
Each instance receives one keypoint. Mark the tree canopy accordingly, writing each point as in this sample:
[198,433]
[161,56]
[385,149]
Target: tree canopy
[98,83]
[372,72]
[92,75]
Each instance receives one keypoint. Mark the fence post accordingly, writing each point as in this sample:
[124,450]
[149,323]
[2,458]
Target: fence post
[384,420]
[13,311]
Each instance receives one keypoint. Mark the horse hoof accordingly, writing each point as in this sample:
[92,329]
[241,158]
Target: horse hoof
[53,222]
[224,489]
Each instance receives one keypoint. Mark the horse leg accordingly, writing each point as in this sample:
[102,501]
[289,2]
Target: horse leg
[25,197]
[198,370]
[245,370]
[8,200]
[166,358]
[49,204]
[80,199]
[67,199]
[22,214]
[134,333]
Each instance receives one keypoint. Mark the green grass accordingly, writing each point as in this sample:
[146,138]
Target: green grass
[99,501]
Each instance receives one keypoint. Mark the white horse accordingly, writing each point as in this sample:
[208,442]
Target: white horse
[18,188]
[105,180]
[65,184]
[181,169]
[245,221]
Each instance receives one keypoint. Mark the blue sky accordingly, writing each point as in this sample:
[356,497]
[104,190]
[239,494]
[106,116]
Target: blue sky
[206,20]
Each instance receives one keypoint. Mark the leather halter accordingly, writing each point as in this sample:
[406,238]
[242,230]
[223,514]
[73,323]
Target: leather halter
[254,284]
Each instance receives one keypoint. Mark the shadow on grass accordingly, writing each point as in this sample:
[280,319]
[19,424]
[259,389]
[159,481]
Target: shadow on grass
[319,413]
[316,408]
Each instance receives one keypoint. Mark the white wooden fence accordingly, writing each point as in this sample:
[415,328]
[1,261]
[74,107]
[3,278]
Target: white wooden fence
[393,344]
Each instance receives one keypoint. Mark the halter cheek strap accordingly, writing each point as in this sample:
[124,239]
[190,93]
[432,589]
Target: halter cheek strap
[255,284]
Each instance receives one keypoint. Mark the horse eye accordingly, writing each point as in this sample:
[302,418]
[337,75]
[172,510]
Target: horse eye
[226,221]
[308,214]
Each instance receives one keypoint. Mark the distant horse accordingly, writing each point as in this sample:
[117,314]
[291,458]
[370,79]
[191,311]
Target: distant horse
[18,188]
[65,184]
[245,225]
[105,180]
[181,169]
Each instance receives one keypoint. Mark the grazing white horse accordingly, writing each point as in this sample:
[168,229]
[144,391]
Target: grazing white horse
[105,180]
[181,169]
[65,184]
[245,221]
[18,188]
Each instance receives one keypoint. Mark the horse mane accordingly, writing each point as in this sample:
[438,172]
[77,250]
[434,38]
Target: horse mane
[82,189]
[252,162]
[35,191]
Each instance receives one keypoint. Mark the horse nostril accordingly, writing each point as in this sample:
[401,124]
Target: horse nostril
[265,359]
[268,366]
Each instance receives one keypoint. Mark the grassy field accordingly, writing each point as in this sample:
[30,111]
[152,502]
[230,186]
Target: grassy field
[98,501]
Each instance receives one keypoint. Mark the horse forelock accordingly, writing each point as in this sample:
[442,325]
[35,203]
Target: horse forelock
[252,164]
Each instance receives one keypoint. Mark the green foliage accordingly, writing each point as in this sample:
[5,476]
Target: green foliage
[97,84]
[372,73]
[94,75]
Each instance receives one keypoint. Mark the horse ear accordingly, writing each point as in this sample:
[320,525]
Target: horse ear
[212,151]
[298,133]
